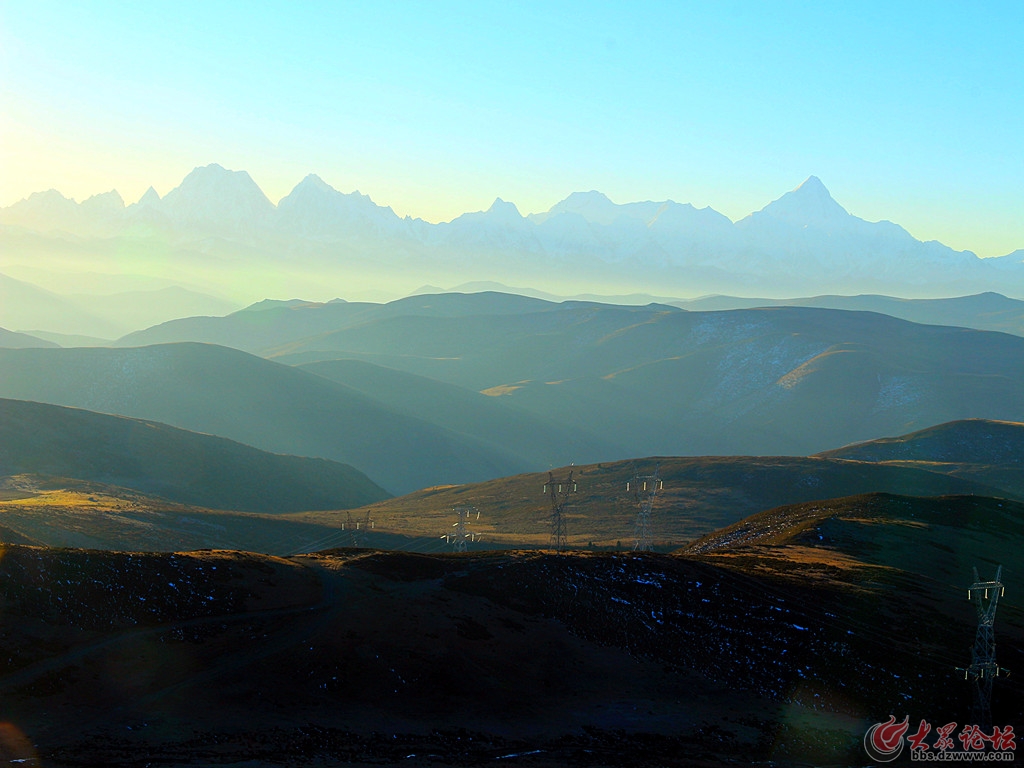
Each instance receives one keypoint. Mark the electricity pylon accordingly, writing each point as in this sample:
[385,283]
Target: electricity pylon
[984,669]
[357,528]
[460,535]
[559,493]
[645,489]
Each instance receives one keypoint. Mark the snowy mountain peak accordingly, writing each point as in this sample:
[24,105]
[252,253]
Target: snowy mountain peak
[812,185]
[213,195]
[312,181]
[593,206]
[105,202]
[149,197]
[810,203]
[504,210]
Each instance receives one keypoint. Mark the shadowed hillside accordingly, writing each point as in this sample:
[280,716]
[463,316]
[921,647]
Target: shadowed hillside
[274,407]
[982,450]
[533,659]
[177,465]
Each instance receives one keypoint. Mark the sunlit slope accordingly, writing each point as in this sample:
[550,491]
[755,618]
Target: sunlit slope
[699,496]
[65,512]
[177,465]
[274,407]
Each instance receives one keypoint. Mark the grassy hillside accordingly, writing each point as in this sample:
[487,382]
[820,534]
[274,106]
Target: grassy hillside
[177,465]
[699,496]
[970,441]
[64,512]
[986,451]
[277,408]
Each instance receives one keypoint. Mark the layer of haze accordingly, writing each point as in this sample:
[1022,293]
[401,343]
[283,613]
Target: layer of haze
[909,111]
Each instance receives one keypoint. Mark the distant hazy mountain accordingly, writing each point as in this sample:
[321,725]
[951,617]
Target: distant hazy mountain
[12,340]
[178,465]
[27,307]
[219,220]
[657,379]
[24,306]
[274,407]
[268,325]
[984,311]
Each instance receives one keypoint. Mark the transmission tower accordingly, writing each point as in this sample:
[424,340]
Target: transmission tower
[460,536]
[559,493]
[357,528]
[984,669]
[645,488]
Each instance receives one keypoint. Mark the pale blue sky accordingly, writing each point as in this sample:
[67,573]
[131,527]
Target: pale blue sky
[909,111]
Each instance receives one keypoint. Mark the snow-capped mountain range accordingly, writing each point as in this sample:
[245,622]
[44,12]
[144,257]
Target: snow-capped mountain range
[802,241]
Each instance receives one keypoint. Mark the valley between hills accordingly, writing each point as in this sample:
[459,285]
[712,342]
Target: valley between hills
[227,540]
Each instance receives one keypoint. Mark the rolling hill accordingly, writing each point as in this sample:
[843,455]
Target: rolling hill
[180,466]
[700,495]
[984,311]
[779,651]
[971,441]
[270,325]
[65,512]
[655,379]
[981,450]
[274,407]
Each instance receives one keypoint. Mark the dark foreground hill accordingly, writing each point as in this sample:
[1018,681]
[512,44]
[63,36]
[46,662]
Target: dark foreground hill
[532,659]
[175,464]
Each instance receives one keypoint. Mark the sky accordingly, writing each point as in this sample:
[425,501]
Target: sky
[907,111]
